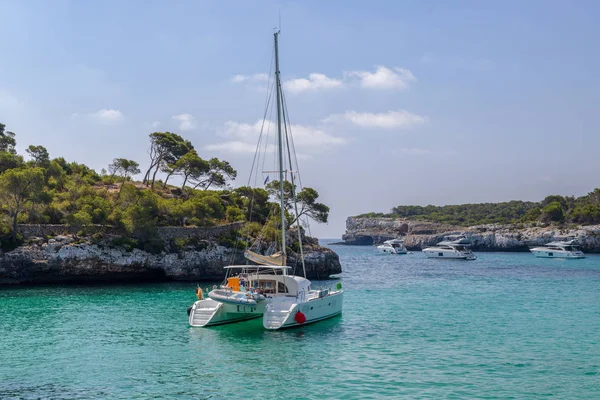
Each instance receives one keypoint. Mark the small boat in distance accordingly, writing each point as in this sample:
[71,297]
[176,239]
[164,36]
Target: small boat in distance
[559,249]
[456,247]
[394,246]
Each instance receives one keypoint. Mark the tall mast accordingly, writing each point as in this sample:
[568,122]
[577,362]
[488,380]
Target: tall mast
[280,147]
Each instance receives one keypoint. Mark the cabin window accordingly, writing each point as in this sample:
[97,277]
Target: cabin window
[551,254]
[440,254]
[281,288]
[267,286]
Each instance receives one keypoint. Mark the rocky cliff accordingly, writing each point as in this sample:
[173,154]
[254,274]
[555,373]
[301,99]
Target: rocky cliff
[63,259]
[493,237]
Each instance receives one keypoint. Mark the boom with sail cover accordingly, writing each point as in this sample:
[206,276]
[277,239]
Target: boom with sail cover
[276,259]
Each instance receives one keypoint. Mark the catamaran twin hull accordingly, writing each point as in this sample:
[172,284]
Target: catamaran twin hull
[209,312]
[286,314]
[278,313]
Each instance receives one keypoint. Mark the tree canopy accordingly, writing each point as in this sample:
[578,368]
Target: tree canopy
[39,155]
[306,200]
[47,190]
[7,141]
[552,209]
[123,168]
[17,187]
[166,148]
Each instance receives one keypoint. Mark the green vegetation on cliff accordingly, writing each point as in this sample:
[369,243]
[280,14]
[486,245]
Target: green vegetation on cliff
[553,209]
[53,191]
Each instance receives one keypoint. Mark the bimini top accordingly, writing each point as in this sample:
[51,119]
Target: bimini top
[257,267]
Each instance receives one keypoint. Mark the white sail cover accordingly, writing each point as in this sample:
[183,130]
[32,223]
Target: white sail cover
[276,259]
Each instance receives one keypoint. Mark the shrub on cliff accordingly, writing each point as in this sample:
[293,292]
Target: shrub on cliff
[467,214]
[552,209]
[553,212]
[74,194]
[586,214]
[79,220]
[17,188]
[125,242]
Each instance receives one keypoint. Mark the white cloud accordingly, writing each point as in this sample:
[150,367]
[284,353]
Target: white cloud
[314,82]
[308,136]
[104,116]
[261,77]
[238,78]
[303,135]
[389,120]
[383,78]
[245,136]
[155,124]
[187,122]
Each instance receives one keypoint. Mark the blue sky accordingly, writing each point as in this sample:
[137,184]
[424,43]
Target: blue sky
[409,102]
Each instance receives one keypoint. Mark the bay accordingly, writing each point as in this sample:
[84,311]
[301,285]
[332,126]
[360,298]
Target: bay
[507,325]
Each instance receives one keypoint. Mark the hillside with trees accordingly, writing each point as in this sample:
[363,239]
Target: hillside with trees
[38,189]
[556,209]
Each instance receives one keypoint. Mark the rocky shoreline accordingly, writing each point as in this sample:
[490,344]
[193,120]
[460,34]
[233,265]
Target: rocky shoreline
[67,259]
[492,237]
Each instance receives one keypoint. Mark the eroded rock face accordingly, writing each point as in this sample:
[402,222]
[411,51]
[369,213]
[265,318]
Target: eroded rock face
[491,237]
[320,262]
[62,259]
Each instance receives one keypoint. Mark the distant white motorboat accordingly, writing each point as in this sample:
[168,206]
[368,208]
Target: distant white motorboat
[394,246]
[457,248]
[564,249]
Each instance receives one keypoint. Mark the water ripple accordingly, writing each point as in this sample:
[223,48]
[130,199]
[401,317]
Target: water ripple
[504,326]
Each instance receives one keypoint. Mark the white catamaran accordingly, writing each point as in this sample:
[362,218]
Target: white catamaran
[267,289]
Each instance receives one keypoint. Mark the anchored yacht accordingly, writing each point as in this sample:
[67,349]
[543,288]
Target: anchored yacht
[394,246]
[456,248]
[267,289]
[249,291]
[564,249]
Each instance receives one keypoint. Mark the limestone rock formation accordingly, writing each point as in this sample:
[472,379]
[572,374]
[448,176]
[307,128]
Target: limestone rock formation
[63,259]
[492,237]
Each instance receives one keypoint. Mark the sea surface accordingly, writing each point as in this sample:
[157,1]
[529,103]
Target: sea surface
[507,325]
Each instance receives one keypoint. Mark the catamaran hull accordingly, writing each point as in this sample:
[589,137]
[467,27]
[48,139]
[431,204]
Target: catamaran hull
[209,312]
[313,311]
[547,253]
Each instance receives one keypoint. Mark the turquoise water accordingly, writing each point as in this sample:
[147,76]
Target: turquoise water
[503,326]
